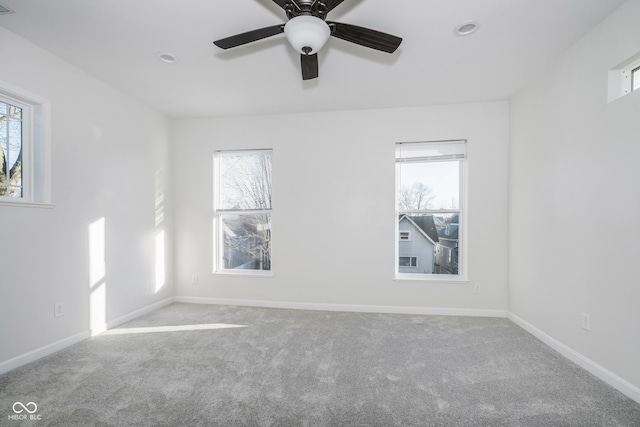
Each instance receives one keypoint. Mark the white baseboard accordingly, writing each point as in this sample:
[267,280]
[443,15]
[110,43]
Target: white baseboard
[46,350]
[430,311]
[144,310]
[620,384]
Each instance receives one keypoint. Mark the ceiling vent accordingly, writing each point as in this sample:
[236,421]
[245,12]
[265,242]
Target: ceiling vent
[5,10]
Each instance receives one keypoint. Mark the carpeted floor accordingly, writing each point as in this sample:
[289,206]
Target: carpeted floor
[206,365]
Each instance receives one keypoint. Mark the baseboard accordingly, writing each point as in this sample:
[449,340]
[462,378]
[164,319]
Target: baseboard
[430,311]
[140,312]
[46,350]
[620,384]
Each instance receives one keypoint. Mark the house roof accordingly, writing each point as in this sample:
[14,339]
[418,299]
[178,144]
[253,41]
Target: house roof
[425,224]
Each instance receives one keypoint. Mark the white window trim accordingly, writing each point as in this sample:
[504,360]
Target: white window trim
[462,276]
[621,78]
[628,77]
[218,213]
[36,147]
[635,73]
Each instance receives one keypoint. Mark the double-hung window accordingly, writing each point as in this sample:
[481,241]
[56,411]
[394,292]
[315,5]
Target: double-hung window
[430,179]
[242,204]
[11,152]
[24,148]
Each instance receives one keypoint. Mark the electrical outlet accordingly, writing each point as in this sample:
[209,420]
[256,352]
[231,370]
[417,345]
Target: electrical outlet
[58,309]
[194,280]
[585,321]
[476,288]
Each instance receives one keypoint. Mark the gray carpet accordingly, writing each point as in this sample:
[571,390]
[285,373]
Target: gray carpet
[243,366]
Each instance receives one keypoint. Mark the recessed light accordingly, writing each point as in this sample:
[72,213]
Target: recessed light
[466,28]
[166,57]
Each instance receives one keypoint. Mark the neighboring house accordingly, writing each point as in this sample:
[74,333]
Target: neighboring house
[428,244]
[416,249]
[447,247]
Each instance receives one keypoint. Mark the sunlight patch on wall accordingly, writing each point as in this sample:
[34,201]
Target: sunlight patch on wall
[159,197]
[97,264]
[98,309]
[160,260]
[97,275]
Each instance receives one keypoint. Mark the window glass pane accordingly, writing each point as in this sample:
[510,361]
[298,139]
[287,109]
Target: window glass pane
[245,180]
[433,248]
[246,242]
[11,150]
[429,185]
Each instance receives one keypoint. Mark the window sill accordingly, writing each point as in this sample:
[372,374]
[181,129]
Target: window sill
[25,204]
[243,273]
[434,278]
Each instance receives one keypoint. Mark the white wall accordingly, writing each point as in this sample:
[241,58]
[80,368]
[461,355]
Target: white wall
[333,201]
[106,153]
[575,204]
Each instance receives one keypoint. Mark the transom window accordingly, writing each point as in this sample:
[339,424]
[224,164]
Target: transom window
[429,208]
[242,203]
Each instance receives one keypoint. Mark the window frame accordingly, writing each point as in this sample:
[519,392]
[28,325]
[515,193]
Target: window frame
[36,147]
[219,213]
[461,212]
[635,74]
[628,74]
[25,147]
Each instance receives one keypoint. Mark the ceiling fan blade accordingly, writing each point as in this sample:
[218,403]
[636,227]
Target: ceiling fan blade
[309,64]
[282,3]
[287,4]
[365,37]
[249,36]
[331,4]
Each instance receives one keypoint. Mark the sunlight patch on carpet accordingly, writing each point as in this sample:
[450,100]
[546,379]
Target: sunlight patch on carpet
[178,328]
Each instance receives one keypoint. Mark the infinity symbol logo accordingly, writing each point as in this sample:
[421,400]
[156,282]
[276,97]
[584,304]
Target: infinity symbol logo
[23,407]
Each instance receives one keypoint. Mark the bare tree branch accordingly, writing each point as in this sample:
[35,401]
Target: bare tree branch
[417,197]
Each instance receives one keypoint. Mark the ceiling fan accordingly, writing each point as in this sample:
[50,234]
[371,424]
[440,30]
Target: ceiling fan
[307,30]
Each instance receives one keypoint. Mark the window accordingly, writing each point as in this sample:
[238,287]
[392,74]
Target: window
[624,78]
[408,261]
[24,148]
[429,208]
[242,203]
[11,150]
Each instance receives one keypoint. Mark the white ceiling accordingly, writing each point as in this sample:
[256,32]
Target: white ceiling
[117,40]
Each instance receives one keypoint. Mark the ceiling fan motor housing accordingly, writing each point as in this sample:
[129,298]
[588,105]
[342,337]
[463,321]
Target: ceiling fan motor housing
[307,34]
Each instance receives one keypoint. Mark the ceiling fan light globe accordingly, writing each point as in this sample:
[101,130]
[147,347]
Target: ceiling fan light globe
[304,32]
